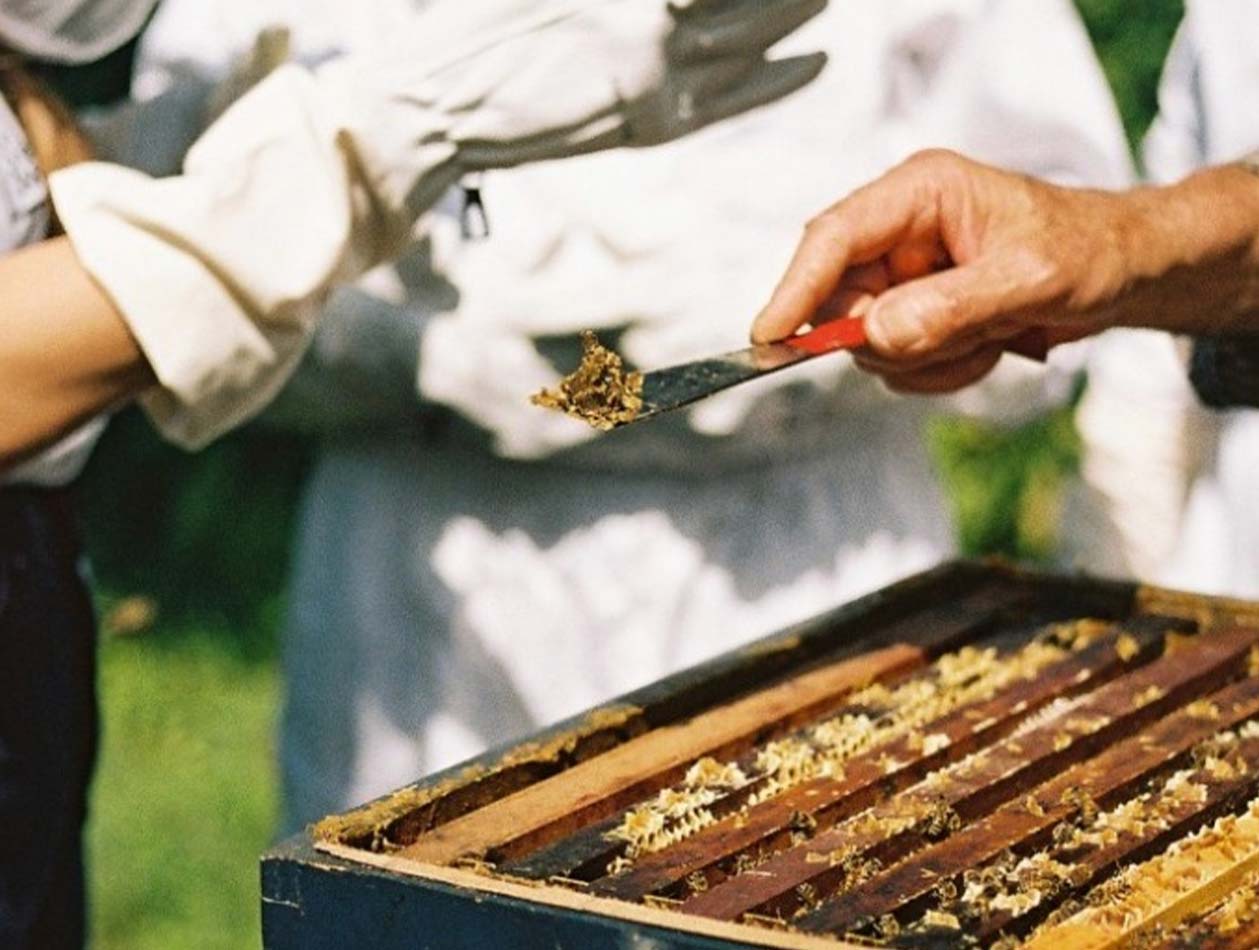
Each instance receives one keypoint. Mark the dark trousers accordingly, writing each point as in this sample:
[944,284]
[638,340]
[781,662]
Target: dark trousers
[48,723]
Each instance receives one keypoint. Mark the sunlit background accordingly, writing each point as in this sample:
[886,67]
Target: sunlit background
[191,554]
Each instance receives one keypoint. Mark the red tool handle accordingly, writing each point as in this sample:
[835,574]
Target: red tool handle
[849,333]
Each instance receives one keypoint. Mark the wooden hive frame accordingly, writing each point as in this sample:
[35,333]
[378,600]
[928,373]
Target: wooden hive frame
[808,785]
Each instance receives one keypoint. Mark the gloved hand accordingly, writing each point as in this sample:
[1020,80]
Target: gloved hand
[311,178]
[503,83]
[649,73]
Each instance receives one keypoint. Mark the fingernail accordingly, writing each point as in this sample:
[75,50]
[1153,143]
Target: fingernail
[877,333]
[764,324]
[861,307]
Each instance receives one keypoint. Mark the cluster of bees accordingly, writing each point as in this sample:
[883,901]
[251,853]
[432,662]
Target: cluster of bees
[1147,894]
[874,716]
[1055,884]
[1137,897]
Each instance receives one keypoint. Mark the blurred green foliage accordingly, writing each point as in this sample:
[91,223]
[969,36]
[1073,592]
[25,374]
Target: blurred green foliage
[207,535]
[185,796]
[1131,38]
[1005,485]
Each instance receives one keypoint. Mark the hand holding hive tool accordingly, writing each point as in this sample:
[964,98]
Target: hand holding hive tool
[601,393]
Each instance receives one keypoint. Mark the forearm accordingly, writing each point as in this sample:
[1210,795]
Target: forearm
[65,353]
[1193,254]
[951,261]
[1212,292]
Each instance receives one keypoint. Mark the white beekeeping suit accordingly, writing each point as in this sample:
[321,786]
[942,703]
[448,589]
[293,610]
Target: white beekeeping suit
[470,567]
[1171,491]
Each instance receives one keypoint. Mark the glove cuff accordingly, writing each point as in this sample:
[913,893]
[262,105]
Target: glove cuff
[215,365]
[1225,371]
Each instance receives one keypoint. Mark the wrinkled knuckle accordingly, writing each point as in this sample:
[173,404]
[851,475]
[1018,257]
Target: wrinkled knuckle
[1042,271]
[826,228]
[934,161]
[929,157]
[949,313]
[819,222]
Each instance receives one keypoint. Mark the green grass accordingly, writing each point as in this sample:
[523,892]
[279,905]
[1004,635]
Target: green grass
[185,796]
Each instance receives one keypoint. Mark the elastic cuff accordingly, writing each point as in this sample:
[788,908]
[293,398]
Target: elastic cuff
[1225,371]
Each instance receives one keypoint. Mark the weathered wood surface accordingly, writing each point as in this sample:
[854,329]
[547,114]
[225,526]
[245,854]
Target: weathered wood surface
[935,613]
[933,610]
[768,826]
[983,605]
[600,786]
[971,789]
[1107,779]
[341,898]
[585,854]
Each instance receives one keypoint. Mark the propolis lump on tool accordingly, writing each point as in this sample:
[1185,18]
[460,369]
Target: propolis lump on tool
[599,392]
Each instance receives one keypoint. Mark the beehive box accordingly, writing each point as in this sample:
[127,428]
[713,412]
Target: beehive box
[977,756]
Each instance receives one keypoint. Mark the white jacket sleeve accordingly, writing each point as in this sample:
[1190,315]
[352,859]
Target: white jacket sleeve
[1141,444]
[313,177]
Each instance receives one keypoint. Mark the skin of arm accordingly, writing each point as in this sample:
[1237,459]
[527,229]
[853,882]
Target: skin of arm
[950,260]
[66,352]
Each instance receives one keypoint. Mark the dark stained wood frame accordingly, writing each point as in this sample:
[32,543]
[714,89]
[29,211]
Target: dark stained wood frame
[330,889]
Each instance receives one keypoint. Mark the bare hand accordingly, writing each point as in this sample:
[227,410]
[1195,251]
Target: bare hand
[951,262]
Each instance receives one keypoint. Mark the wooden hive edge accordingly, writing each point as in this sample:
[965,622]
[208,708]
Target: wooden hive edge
[373,819]
[1209,611]
[552,896]
[754,666]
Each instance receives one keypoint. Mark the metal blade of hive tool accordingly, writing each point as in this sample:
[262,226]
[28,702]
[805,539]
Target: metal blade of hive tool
[686,383]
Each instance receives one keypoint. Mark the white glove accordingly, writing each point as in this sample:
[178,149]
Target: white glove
[155,133]
[312,178]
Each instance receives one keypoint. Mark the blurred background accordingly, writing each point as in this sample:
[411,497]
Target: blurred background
[191,554]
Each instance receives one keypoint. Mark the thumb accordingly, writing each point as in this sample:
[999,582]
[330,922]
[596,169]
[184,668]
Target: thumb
[953,310]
